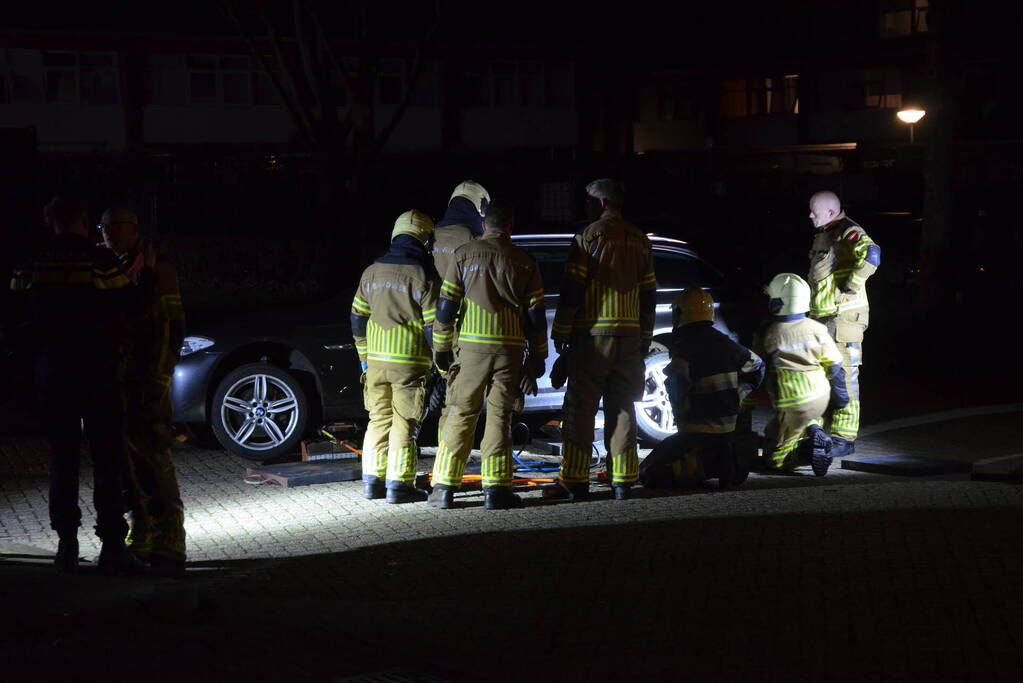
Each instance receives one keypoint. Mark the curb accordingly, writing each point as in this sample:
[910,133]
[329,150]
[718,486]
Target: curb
[942,416]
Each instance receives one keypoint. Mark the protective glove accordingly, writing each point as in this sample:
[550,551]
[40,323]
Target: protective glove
[364,365]
[443,359]
[527,385]
[839,395]
[536,366]
[560,346]
[559,373]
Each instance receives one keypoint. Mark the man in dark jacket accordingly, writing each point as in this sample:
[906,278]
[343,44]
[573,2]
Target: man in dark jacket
[708,377]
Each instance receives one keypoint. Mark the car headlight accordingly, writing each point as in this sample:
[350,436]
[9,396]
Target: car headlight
[193,344]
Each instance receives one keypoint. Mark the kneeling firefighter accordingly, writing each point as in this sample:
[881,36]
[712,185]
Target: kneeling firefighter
[707,380]
[804,378]
[392,321]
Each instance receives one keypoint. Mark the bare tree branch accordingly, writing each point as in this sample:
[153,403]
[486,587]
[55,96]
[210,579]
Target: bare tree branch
[294,108]
[303,105]
[417,68]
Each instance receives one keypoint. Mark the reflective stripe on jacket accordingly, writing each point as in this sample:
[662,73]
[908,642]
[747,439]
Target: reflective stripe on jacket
[797,353]
[392,311]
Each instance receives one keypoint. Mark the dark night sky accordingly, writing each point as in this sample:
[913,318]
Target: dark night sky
[640,32]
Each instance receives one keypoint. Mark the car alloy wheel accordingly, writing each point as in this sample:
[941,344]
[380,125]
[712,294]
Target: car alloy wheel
[655,418]
[259,411]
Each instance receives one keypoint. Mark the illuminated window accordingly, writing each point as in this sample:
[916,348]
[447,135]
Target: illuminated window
[760,96]
[904,18]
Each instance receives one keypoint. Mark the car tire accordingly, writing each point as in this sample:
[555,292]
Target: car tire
[259,412]
[655,420]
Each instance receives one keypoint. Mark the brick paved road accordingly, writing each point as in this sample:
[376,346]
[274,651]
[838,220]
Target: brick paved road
[852,577]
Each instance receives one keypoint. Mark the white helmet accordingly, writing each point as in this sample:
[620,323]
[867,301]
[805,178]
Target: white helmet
[792,291]
[475,193]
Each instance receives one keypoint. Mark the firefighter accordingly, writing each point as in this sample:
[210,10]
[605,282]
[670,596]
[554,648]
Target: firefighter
[392,321]
[604,323]
[502,346]
[152,342]
[841,259]
[78,297]
[804,376]
[707,380]
[462,222]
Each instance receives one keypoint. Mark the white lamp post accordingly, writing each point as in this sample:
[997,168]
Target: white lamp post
[911,116]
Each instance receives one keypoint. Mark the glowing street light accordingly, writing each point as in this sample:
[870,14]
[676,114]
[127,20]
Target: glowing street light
[911,116]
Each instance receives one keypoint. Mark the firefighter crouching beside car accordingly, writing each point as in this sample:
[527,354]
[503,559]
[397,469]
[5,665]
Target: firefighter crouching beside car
[841,259]
[152,341]
[804,376]
[707,380]
[392,321]
[501,348]
[604,321]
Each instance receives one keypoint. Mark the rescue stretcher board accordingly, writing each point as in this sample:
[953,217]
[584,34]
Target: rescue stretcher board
[293,474]
[903,465]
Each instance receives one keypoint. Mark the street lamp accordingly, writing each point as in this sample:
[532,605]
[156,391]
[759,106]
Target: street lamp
[911,116]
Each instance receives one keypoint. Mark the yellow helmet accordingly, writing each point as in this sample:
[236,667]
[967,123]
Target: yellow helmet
[793,293]
[475,193]
[415,223]
[690,306]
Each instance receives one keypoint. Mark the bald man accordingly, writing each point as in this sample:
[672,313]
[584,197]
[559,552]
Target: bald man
[841,260]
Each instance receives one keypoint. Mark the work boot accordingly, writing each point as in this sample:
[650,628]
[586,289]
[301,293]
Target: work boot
[373,488]
[841,447]
[442,497]
[622,491]
[114,560]
[66,559]
[820,444]
[140,535]
[500,498]
[562,491]
[405,493]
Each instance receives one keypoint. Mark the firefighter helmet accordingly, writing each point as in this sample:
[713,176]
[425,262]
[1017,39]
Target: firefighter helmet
[415,223]
[475,193]
[690,306]
[790,295]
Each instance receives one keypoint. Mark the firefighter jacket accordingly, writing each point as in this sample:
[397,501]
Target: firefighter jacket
[395,305]
[461,224]
[708,377]
[799,354]
[155,333]
[609,287]
[493,294]
[78,297]
[841,260]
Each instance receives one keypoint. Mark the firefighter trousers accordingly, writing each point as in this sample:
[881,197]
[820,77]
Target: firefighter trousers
[787,426]
[150,479]
[612,368]
[845,423]
[394,395]
[497,376]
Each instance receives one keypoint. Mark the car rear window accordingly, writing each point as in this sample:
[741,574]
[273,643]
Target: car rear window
[675,270]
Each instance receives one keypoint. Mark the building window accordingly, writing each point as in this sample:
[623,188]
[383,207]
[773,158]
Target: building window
[390,81]
[904,18]
[209,80]
[31,76]
[559,85]
[424,90]
[759,96]
[882,89]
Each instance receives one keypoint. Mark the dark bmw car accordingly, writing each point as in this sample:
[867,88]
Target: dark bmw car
[264,382]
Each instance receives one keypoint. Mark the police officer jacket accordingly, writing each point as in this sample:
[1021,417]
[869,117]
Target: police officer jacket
[798,352]
[841,260]
[708,377]
[79,297]
[395,305]
[609,286]
[493,290]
